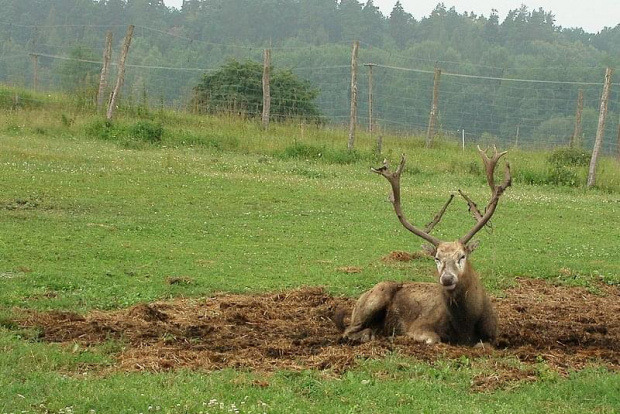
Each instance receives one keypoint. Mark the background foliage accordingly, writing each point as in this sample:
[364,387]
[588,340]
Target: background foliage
[484,60]
[237,88]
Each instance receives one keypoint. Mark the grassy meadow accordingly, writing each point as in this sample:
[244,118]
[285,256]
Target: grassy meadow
[98,216]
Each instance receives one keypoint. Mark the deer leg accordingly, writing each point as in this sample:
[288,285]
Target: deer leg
[359,335]
[484,346]
[425,336]
[368,314]
[486,327]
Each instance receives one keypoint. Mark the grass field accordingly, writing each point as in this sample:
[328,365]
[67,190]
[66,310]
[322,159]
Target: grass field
[97,217]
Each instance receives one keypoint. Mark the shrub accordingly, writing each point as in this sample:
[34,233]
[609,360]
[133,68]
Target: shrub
[560,175]
[556,129]
[16,99]
[569,157]
[237,88]
[147,131]
[531,176]
[132,136]
[66,120]
[102,129]
[565,165]
[334,156]
[303,151]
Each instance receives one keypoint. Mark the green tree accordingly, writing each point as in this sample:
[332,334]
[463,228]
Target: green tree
[237,88]
[401,25]
[319,24]
[350,16]
[522,26]
[79,73]
[374,24]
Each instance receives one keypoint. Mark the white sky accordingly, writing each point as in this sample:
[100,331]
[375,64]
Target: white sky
[591,15]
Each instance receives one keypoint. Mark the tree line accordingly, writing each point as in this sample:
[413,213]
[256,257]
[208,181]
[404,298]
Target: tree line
[526,44]
[470,37]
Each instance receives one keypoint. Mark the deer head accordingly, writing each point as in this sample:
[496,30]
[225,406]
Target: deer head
[451,257]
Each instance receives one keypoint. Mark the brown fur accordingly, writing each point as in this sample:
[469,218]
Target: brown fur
[456,310]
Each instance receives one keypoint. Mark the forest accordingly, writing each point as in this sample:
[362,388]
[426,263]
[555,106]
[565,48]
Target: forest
[516,78]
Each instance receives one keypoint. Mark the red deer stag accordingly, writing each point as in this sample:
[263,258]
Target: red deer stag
[456,310]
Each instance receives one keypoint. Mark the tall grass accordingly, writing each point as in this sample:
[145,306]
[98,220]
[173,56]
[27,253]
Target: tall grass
[25,112]
[320,144]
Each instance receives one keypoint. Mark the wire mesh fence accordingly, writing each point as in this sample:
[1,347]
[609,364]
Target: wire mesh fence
[527,107]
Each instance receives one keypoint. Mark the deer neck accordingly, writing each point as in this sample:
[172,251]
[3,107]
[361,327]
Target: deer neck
[465,293]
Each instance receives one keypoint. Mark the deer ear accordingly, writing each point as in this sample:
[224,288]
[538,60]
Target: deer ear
[473,246]
[429,249]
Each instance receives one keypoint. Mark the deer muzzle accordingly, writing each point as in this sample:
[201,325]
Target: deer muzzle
[448,280]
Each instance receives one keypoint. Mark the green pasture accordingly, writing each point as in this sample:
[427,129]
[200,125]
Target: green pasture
[98,216]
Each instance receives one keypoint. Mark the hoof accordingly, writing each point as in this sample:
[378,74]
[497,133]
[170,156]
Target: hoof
[486,346]
[365,335]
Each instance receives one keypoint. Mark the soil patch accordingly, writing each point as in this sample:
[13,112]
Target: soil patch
[567,328]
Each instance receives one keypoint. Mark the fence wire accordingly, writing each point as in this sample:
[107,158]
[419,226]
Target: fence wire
[478,103]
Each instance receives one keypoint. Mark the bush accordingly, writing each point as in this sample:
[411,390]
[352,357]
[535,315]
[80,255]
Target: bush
[14,99]
[569,157]
[303,151]
[102,129]
[560,175]
[131,136]
[531,176]
[237,88]
[556,129]
[334,156]
[147,131]
[565,165]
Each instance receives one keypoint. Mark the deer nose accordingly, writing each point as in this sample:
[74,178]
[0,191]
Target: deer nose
[448,280]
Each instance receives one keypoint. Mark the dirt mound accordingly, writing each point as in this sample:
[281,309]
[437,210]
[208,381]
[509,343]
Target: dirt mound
[568,328]
[400,256]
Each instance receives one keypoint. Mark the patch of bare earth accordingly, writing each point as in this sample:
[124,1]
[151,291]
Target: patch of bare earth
[568,328]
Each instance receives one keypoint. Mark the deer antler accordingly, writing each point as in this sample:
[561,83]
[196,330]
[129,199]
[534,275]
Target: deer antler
[496,192]
[438,216]
[394,179]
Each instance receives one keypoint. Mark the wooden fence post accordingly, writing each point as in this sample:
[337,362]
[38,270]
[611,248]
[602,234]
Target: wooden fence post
[618,144]
[575,140]
[370,98]
[120,77]
[353,118]
[600,129]
[517,137]
[430,133]
[105,69]
[35,71]
[266,88]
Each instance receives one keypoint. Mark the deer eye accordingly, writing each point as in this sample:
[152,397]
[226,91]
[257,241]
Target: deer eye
[437,260]
[461,259]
